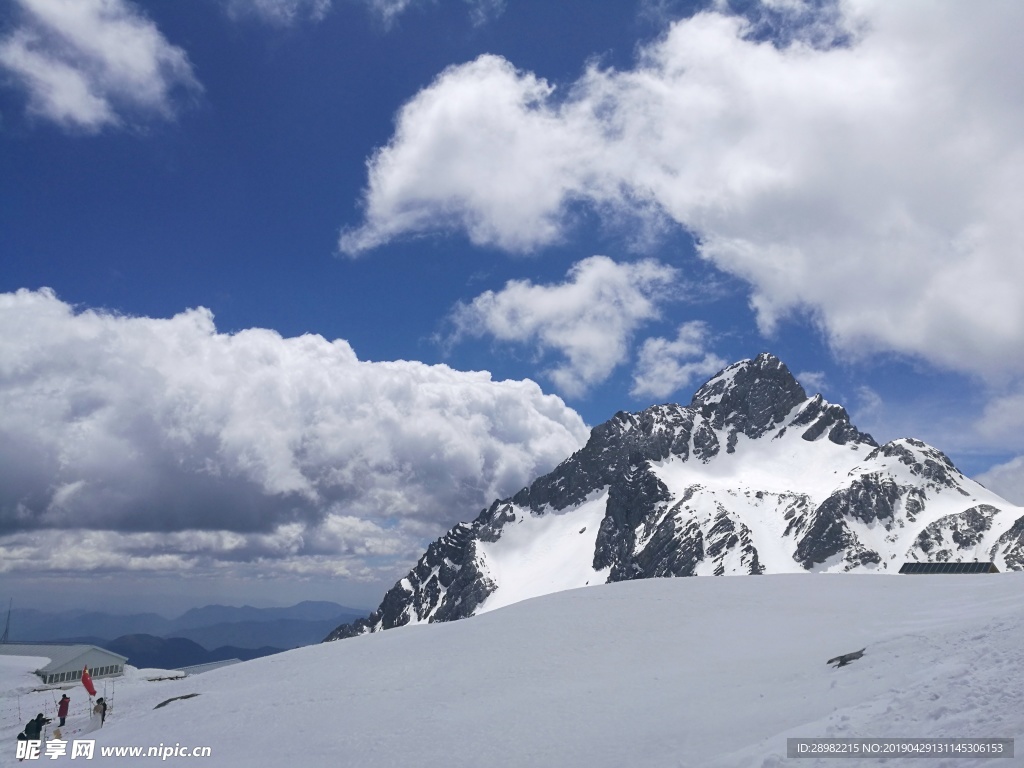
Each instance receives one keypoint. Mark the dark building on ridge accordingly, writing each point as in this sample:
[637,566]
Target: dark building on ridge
[922,568]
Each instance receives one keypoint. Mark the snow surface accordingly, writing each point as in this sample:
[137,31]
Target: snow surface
[695,672]
[16,671]
[22,696]
[764,476]
[770,464]
[540,554]
[756,480]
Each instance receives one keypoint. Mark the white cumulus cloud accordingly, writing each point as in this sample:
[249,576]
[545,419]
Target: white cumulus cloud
[1002,422]
[665,366]
[504,163]
[814,381]
[865,172]
[87,64]
[588,320]
[165,437]
[1001,425]
[1006,479]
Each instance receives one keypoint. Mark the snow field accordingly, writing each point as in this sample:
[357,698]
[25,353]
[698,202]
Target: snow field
[540,554]
[690,672]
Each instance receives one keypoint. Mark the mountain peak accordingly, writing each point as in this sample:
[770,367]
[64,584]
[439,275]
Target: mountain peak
[751,396]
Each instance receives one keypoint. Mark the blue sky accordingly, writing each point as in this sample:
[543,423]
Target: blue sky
[289,287]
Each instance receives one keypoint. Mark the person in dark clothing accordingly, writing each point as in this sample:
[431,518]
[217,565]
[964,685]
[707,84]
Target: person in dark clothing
[22,737]
[62,708]
[34,727]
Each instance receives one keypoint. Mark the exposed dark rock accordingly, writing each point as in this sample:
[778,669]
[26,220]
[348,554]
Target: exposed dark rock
[798,512]
[821,418]
[861,555]
[1011,545]
[966,529]
[675,549]
[613,448]
[632,499]
[872,498]
[727,535]
[925,461]
[492,521]
[446,584]
[749,397]
[826,535]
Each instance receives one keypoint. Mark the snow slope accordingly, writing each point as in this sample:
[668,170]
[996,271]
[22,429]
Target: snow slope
[658,672]
[540,554]
[22,696]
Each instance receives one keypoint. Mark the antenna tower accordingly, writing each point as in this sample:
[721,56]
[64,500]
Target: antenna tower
[7,627]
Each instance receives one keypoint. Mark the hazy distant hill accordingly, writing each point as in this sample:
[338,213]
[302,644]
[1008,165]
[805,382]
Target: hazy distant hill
[281,633]
[28,624]
[148,651]
[170,653]
[215,615]
[211,626]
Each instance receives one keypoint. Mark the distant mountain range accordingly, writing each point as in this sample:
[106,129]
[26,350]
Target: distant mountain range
[752,477]
[151,652]
[210,633]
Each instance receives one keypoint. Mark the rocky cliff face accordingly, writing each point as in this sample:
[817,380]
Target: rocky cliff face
[752,477]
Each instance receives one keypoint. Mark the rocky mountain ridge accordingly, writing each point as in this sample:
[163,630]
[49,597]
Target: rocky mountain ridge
[752,477]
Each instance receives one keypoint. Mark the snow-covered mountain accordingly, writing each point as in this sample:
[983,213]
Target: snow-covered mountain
[752,477]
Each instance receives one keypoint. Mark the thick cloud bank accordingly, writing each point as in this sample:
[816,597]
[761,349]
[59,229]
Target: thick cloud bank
[865,170]
[161,443]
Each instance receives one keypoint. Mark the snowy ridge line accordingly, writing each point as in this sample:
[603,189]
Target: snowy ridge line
[752,477]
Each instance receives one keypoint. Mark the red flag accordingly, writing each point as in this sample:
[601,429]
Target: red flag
[87,682]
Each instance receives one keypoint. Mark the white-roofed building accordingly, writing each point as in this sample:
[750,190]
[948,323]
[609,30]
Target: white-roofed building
[198,669]
[68,661]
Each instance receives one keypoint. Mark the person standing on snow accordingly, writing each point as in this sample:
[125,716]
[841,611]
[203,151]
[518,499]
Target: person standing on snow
[101,710]
[62,708]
